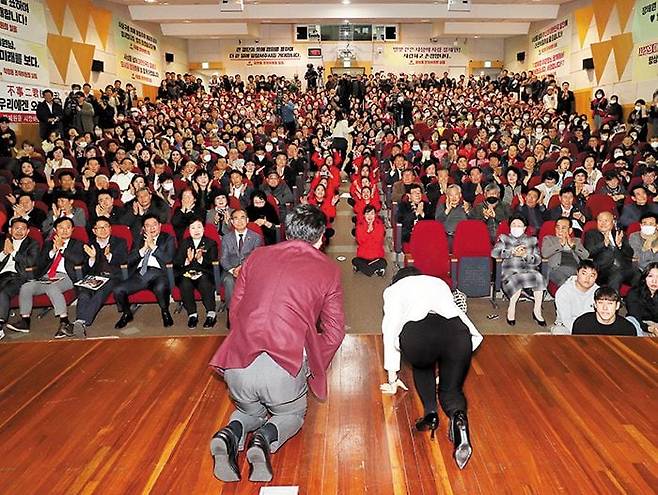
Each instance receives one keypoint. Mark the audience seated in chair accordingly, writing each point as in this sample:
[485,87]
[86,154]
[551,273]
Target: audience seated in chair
[575,297]
[563,252]
[604,320]
[642,302]
[370,233]
[645,242]
[491,211]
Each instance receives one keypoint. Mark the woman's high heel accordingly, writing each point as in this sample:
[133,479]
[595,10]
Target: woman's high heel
[541,323]
[459,435]
[511,323]
[429,422]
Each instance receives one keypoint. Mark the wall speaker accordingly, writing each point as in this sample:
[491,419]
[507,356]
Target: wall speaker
[588,63]
[302,33]
[97,66]
[169,57]
[520,56]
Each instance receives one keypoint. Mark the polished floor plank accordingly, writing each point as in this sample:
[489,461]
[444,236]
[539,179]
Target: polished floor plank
[548,415]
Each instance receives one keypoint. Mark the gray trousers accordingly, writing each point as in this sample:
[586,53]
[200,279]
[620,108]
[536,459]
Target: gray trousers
[228,281]
[264,388]
[54,291]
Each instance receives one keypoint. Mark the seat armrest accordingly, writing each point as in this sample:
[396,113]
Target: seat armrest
[216,270]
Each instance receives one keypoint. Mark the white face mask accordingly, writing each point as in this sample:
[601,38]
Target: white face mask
[517,231]
[268,148]
[206,158]
[168,186]
[443,146]
[654,145]
[426,154]
[648,230]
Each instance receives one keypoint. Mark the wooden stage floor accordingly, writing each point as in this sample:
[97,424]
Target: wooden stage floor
[132,416]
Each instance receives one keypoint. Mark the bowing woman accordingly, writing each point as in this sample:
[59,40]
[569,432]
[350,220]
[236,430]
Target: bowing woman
[423,323]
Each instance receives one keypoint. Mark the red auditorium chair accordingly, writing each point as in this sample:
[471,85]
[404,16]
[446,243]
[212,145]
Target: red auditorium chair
[471,258]
[428,250]
[632,228]
[598,203]
[590,225]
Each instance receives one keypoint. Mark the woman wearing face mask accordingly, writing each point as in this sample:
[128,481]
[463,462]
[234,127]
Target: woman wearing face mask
[520,268]
[638,119]
[614,112]
[642,301]
[598,106]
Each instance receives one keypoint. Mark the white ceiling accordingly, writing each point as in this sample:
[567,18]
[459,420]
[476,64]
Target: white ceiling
[207,19]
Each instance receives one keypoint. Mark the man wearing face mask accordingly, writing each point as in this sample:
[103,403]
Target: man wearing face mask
[491,211]
[642,205]
[645,242]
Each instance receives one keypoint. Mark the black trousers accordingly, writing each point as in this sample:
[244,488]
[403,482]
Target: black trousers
[614,276]
[369,267]
[206,288]
[90,302]
[432,340]
[154,280]
[10,285]
[340,144]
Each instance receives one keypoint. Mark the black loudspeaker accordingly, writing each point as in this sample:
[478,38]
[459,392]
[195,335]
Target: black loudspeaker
[97,66]
[302,32]
[169,57]
[520,56]
[588,63]
[391,32]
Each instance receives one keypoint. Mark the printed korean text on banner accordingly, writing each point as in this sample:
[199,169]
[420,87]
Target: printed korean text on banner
[645,24]
[23,20]
[549,48]
[646,61]
[19,102]
[138,55]
[431,56]
[265,55]
[23,61]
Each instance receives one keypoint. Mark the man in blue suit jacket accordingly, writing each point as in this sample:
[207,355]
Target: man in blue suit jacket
[236,246]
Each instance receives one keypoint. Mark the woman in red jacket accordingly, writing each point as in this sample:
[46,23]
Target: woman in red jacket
[370,234]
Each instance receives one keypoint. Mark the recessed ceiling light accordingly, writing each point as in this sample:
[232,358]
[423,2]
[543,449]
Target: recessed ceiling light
[476,36]
[346,21]
[187,21]
[346,2]
[150,1]
[425,20]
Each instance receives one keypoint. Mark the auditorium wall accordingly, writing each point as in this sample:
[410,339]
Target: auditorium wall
[413,52]
[620,35]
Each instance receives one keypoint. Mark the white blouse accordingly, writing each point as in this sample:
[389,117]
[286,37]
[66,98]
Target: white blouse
[411,299]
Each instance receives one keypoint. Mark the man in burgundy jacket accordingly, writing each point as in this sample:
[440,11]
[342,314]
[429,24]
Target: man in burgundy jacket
[287,323]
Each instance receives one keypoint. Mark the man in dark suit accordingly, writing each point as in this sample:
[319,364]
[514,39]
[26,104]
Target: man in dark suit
[611,252]
[19,252]
[566,100]
[288,322]
[194,270]
[411,210]
[568,209]
[24,208]
[56,273]
[236,246]
[106,255]
[147,270]
[50,114]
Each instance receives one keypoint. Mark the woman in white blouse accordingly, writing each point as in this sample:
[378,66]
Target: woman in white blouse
[423,323]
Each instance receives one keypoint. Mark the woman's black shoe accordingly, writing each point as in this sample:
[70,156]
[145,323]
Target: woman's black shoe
[511,323]
[429,422]
[460,437]
[541,323]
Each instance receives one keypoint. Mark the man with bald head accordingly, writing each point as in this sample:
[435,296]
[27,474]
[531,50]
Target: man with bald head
[611,252]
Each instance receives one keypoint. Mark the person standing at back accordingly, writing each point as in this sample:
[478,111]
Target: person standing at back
[287,322]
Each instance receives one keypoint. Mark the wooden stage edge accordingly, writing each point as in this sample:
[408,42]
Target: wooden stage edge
[134,416]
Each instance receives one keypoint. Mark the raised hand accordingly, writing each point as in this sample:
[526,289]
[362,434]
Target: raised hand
[90,250]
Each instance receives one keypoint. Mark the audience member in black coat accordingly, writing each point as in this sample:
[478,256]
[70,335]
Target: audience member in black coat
[412,210]
[49,114]
[642,300]
[263,214]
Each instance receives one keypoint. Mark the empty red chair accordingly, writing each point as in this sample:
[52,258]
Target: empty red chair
[590,225]
[598,203]
[632,228]
[471,258]
[428,250]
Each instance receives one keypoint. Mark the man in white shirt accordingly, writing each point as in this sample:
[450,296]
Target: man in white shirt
[123,178]
[19,252]
[575,297]
[422,321]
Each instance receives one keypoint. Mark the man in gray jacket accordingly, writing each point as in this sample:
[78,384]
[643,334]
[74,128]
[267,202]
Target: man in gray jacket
[563,251]
[575,297]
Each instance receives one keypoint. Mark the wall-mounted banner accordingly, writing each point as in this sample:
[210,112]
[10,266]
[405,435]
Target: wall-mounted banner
[550,48]
[138,55]
[265,55]
[431,56]
[646,61]
[19,102]
[23,61]
[23,20]
[645,24]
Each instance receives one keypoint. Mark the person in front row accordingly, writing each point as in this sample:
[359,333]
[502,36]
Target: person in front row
[563,251]
[423,323]
[645,242]
[194,270]
[106,255]
[288,323]
[642,302]
[370,233]
[236,247]
[610,250]
[575,297]
[147,270]
[19,252]
[604,320]
[55,275]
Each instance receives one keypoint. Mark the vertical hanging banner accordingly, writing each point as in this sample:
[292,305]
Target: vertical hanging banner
[550,48]
[138,54]
[645,66]
[23,56]
[645,23]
